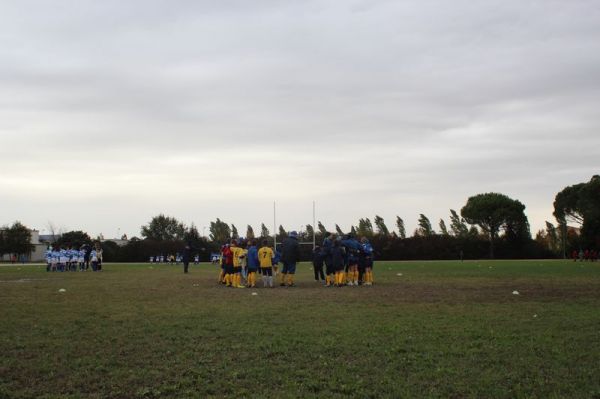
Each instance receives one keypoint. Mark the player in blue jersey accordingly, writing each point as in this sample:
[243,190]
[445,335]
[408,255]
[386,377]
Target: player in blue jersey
[252,264]
[353,249]
[276,260]
[368,261]
[326,255]
[317,261]
[337,262]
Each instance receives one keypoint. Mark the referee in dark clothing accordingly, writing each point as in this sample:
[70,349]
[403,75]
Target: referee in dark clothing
[187,255]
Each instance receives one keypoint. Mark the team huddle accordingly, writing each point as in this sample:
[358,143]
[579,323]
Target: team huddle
[347,261]
[73,259]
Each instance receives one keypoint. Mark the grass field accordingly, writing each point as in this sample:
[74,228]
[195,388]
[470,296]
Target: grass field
[440,329]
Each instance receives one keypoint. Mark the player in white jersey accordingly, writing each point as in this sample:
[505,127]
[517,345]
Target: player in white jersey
[73,257]
[96,256]
[55,258]
[196,259]
[62,259]
[67,258]
[81,258]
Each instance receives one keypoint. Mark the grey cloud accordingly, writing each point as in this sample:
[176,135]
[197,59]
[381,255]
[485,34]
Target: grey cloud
[402,100]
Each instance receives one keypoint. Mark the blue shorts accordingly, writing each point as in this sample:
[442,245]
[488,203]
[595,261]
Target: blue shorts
[329,268]
[289,268]
[352,261]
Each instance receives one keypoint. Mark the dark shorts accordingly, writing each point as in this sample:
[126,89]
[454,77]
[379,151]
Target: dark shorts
[289,268]
[237,269]
[329,268]
[252,270]
[229,269]
[267,271]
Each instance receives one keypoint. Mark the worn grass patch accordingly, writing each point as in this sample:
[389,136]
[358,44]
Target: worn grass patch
[441,329]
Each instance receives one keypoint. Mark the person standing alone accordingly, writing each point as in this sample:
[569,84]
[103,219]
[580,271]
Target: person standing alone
[186,256]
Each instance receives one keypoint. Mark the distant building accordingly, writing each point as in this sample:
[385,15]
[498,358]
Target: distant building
[48,238]
[119,241]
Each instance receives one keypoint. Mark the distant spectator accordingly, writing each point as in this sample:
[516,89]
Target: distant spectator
[186,256]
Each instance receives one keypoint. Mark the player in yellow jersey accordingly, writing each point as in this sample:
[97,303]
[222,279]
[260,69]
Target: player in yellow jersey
[252,263]
[265,259]
[239,254]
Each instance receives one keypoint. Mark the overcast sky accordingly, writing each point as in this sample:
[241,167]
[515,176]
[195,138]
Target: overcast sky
[112,112]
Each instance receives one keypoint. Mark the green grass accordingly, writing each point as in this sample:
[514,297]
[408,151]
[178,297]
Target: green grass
[442,329]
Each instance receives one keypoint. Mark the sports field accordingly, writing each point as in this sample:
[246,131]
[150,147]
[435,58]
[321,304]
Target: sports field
[425,329]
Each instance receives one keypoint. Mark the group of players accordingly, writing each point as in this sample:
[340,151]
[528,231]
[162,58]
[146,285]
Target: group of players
[71,259]
[242,260]
[347,262]
[587,255]
[172,259]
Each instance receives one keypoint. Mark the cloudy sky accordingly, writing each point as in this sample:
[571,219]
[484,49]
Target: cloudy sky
[114,111]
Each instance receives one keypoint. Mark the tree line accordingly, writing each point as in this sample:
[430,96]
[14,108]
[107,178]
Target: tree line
[488,225]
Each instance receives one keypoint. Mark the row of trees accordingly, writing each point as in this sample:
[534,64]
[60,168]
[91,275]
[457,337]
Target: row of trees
[497,216]
[489,224]
[491,220]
